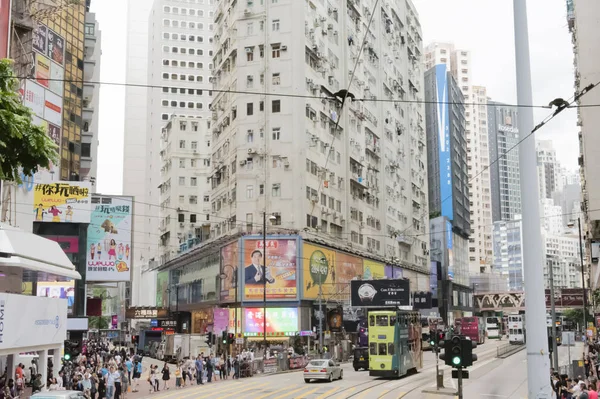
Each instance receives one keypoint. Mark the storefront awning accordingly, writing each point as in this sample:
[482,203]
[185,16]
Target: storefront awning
[19,248]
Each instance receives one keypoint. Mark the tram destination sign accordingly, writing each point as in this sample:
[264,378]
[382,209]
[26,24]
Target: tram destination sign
[379,293]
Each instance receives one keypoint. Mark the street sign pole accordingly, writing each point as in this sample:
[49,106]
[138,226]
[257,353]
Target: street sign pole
[460,387]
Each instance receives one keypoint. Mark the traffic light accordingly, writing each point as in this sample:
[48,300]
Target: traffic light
[452,355]
[231,338]
[468,357]
[441,337]
[209,339]
[224,337]
[433,340]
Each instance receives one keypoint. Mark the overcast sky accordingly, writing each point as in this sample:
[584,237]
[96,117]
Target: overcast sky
[484,27]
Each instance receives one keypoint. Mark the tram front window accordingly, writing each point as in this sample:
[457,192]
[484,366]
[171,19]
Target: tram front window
[373,348]
[382,321]
[390,349]
[382,349]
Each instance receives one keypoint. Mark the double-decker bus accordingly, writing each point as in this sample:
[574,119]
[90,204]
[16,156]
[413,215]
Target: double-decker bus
[493,327]
[516,328]
[471,327]
[394,343]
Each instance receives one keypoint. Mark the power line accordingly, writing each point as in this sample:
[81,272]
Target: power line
[258,93]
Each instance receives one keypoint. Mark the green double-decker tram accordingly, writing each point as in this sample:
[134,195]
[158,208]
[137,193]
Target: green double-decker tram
[394,343]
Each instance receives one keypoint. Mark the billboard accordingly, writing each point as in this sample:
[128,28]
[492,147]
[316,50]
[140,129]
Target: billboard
[109,247]
[40,38]
[373,270]
[53,106]
[375,293]
[444,140]
[347,268]
[33,98]
[58,289]
[281,272]
[32,321]
[230,261]
[57,76]
[319,270]
[278,320]
[62,201]
[42,70]
[4,28]
[56,47]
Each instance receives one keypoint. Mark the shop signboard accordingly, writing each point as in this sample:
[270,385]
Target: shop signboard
[374,293]
[109,246]
[281,271]
[42,70]
[278,320]
[138,312]
[232,320]
[33,98]
[62,201]
[229,268]
[31,321]
[319,270]
[53,107]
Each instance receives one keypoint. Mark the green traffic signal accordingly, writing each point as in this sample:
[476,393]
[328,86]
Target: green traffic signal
[67,356]
[456,360]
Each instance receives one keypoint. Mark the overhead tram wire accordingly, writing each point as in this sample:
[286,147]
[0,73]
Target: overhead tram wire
[339,116]
[563,105]
[259,93]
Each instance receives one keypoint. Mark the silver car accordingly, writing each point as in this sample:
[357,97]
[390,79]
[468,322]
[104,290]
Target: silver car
[322,369]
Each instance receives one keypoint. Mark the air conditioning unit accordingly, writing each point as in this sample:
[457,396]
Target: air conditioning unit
[251,151]
[247,11]
[286,163]
[242,162]
[181,224]
[283,48]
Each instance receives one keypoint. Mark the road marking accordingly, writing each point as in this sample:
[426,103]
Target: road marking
[307,393]
[384,393]
[326,394]
[272,393]
[288,393]
[205,394]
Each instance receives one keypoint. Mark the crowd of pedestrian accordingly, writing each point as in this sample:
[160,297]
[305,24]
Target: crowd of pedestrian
[583,386]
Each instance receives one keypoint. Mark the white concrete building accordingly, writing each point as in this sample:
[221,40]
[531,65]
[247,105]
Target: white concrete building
[458,61]
[508,253]
[169,48]
[184,188]
[362,186]
[549,170]
[562,252]
[91,100]
[582,17]
[551,217]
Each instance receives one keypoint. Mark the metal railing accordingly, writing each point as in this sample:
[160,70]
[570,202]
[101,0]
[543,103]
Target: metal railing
[506,350]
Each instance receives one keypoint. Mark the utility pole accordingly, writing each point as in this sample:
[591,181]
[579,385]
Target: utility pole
[553,313]
[321,313]
[538,365]
[264,278]
[582,277]
[460,383]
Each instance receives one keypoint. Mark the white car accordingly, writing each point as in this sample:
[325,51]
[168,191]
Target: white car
[59,395]
[322,369]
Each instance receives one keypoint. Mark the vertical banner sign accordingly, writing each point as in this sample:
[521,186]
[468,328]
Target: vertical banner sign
[229,268]
[109,240]
[40,39]
[4,28]
[53,106]
[63,201]
[33,98]
[56,47]
[280,275]
[444,139]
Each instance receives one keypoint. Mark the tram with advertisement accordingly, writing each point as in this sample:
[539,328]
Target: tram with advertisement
[394,343]
[471,327]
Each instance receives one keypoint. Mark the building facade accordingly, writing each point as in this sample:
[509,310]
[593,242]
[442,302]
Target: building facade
[562,254]
[184,187]
[550,173]
[508,253]
[581,18]
[504,174]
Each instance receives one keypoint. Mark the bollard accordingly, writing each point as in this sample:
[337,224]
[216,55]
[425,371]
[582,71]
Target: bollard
[440,379]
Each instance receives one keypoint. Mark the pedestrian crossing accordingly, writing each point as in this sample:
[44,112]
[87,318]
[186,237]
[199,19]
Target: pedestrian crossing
[262,388]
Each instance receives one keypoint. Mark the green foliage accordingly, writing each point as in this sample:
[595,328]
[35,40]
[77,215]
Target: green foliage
[573,315]
[298,347]
[98,322]
[23,145]
[596,297]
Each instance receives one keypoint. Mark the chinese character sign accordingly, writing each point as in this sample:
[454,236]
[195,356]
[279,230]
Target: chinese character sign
[280,276]
[108,251]
[62,202]
[277,320]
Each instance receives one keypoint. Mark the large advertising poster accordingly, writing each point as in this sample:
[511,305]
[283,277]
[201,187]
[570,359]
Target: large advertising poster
[33,98]
[278,320]
[108,251]
[56,47]
[280,274]
[58,289]
[63,201]
[42,70]
[376,293]
[319,270]
[230,261]
[4,28]
[444,140]
[40,38]
[53,106]
[347,268]
[57,76]
[373,270]
[32,321]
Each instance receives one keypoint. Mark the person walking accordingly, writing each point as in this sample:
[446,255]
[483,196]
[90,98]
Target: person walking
[166,376]
[199,370]
[178,377]
[137,373]
[209,368]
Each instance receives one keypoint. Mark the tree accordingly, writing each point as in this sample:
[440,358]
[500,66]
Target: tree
[575,316]
[23,145]
[98,322]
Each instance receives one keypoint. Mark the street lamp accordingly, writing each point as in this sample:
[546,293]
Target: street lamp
[264,279]
[234,282]
[571,225]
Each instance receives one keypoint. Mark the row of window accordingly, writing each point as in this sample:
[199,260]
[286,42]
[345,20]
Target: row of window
[184,50]
[183,37]
[275,190]
[276,49]
[182,104]
[193,181]
[193,199]
[185,24]
[191,78]
[181,90]
[183,64]
[187,11]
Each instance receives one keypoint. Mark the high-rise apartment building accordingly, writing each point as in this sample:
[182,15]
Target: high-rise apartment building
[549,170]
[583,24]
[184,187]
[504,174]
[170,49]
[458,62]
[361,185]
[508,252]
[562,254]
